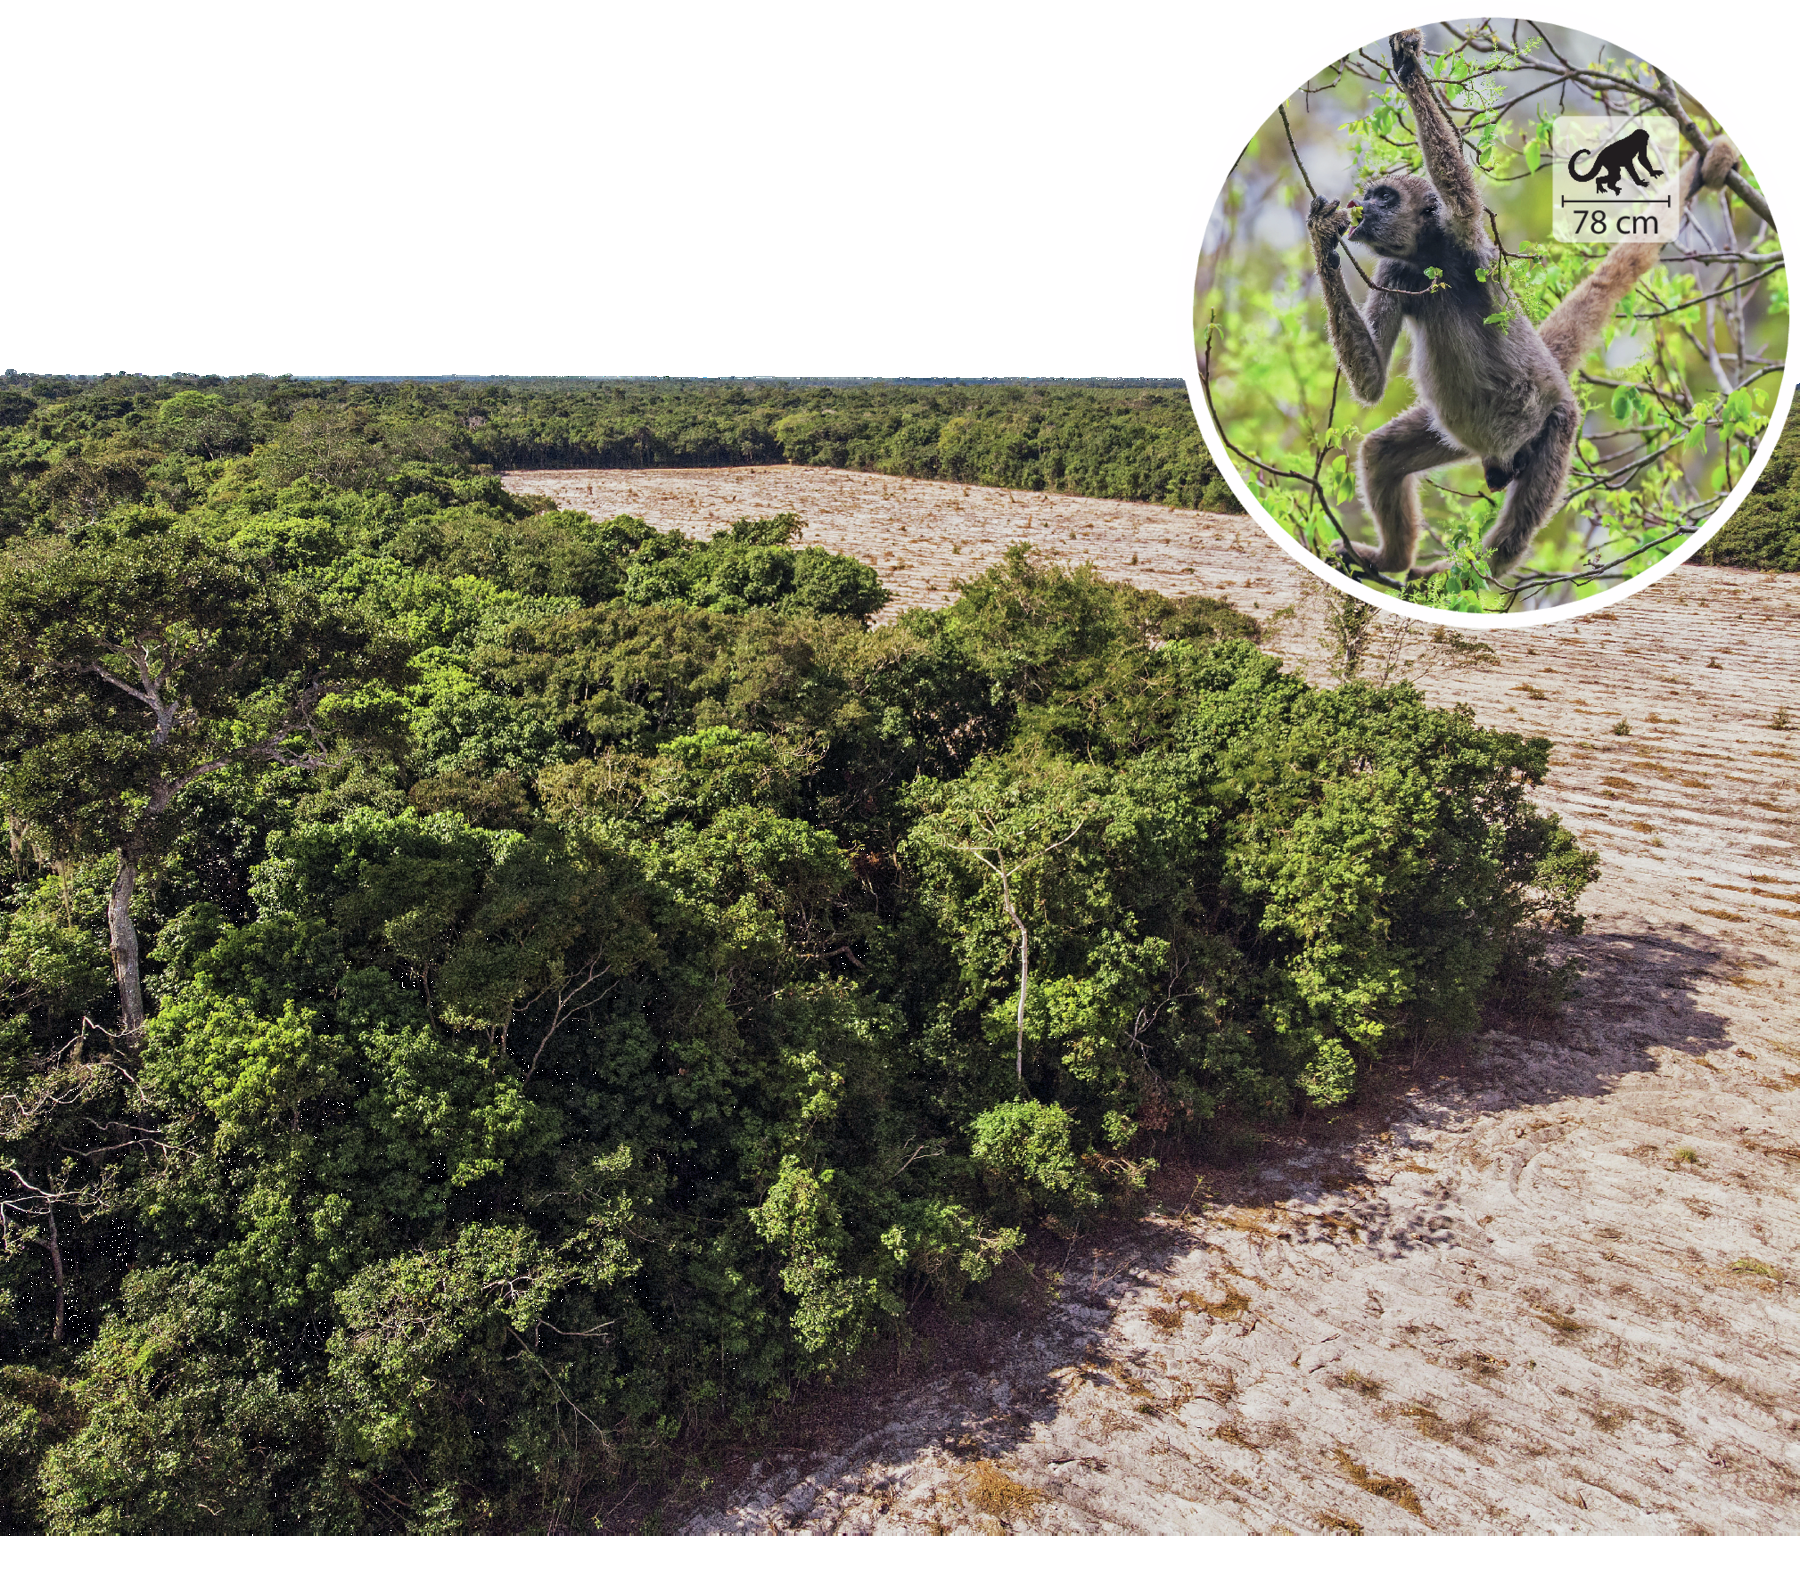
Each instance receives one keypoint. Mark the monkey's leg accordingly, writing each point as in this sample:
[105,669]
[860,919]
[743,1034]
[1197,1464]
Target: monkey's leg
[1540,473]
[1391,458]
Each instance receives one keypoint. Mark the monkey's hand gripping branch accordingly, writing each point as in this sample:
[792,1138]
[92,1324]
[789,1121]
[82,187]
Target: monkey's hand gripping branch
[1438,142]
[1358,351]
[1326,224]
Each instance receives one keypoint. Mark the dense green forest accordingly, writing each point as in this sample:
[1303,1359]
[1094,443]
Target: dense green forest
[1765,531]
[1128,440]
[487,995]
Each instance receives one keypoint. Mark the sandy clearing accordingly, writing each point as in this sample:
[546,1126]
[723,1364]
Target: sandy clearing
[1548,1282]
[920,536]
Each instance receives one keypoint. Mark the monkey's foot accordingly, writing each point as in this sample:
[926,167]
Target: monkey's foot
[1358,555]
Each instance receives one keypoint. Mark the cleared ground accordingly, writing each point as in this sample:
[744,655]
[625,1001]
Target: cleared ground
[1548,1281]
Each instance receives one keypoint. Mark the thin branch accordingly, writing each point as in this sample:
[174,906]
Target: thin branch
[1432,289]
[1295,151]
[1682,306]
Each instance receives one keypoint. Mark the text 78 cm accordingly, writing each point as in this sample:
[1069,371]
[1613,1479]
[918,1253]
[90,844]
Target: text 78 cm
[1593,221]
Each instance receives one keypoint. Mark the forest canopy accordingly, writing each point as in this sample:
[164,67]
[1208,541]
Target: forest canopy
[1764,531]
[1129,439]
[488,993]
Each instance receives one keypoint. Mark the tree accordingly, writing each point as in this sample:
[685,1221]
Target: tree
[132,669]
[1007,824]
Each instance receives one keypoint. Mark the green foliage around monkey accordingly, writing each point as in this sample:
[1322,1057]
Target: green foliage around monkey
[615,1015]
[1674,399]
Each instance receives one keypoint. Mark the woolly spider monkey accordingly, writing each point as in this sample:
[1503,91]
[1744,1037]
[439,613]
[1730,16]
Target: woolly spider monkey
[1497,392]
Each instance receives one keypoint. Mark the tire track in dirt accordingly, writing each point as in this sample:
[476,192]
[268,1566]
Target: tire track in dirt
[1545,1281]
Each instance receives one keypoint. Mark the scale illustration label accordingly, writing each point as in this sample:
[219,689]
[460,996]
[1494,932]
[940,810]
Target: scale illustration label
[1615,178]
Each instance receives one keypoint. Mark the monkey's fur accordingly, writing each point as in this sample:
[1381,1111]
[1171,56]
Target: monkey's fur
[1498,392]
[1721,158]
[1616,158]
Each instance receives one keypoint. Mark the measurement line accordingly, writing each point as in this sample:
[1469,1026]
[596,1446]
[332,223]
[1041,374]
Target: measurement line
[1631,202]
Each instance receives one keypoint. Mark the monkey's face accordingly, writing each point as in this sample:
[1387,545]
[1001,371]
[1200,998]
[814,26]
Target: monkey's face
[1399,217]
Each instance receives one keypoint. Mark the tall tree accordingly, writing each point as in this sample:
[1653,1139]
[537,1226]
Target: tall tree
[1005,822]
[131,669]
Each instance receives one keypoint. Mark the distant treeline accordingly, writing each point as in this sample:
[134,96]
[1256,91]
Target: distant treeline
[104,440]
[1112,439]
[1765,531]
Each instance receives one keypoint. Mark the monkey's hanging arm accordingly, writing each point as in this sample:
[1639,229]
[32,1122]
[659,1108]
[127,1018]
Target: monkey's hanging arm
[1440,145]
[1365,344]
[1574,327]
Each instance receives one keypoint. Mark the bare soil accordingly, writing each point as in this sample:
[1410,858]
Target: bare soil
[1545,1281]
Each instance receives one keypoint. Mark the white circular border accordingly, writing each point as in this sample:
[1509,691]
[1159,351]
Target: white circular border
[1190,263]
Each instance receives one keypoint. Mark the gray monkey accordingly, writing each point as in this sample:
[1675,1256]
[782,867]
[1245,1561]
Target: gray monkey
[1497,392]
[1492,391]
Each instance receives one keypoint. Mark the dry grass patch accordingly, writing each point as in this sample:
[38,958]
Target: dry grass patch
[1227,1307]
[1426,1420]
[1480,1366]
[1129,1382]
[1559,1322]
[1221,1384]
[1395,1490]
[1233,1435]
[990,1491]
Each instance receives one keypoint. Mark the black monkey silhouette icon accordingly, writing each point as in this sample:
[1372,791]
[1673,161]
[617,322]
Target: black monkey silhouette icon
[1615,158]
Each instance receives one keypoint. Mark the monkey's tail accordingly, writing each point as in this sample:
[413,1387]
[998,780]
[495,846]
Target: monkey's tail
[1573,329]
[1575,174]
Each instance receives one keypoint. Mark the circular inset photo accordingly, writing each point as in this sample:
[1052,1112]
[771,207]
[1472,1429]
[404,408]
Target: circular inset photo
[1590,292]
